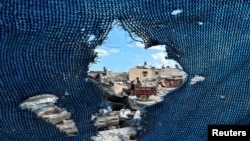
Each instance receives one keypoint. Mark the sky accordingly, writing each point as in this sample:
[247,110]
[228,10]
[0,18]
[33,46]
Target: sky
[119,53]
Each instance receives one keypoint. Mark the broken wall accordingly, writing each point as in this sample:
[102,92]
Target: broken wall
[46,47]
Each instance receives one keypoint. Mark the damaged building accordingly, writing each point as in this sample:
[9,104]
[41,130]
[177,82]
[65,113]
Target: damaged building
[166,76]
[123,113]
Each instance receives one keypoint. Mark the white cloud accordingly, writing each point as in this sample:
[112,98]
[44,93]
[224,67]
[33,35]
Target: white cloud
[159,60]
[101,52]
[158,47]
[140,44]
[114,50]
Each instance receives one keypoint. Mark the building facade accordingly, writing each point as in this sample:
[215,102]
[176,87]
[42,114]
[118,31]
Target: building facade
[143,73]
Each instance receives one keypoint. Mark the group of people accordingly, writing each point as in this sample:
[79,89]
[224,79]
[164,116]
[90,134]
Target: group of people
[135,83]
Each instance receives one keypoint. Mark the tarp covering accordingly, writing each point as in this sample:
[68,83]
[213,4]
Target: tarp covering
[46,47]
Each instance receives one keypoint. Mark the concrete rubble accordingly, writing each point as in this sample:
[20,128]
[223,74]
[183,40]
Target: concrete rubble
[121,119]
[44,107]
[118,121]
[122,134]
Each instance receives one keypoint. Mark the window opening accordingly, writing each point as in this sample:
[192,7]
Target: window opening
[144,73]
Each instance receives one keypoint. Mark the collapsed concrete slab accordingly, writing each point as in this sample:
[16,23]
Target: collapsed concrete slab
[122,134]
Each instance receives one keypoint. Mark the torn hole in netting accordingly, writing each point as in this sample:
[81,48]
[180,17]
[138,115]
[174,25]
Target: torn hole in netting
[131,77]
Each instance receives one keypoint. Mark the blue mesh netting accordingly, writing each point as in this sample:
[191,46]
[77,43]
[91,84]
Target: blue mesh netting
[46,48]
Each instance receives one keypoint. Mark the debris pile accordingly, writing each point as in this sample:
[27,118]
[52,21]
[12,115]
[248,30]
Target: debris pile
[122,115]
[116,119]
[122,134]
[44,107]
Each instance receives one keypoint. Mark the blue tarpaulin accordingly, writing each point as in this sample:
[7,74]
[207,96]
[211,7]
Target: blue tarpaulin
[46,47]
